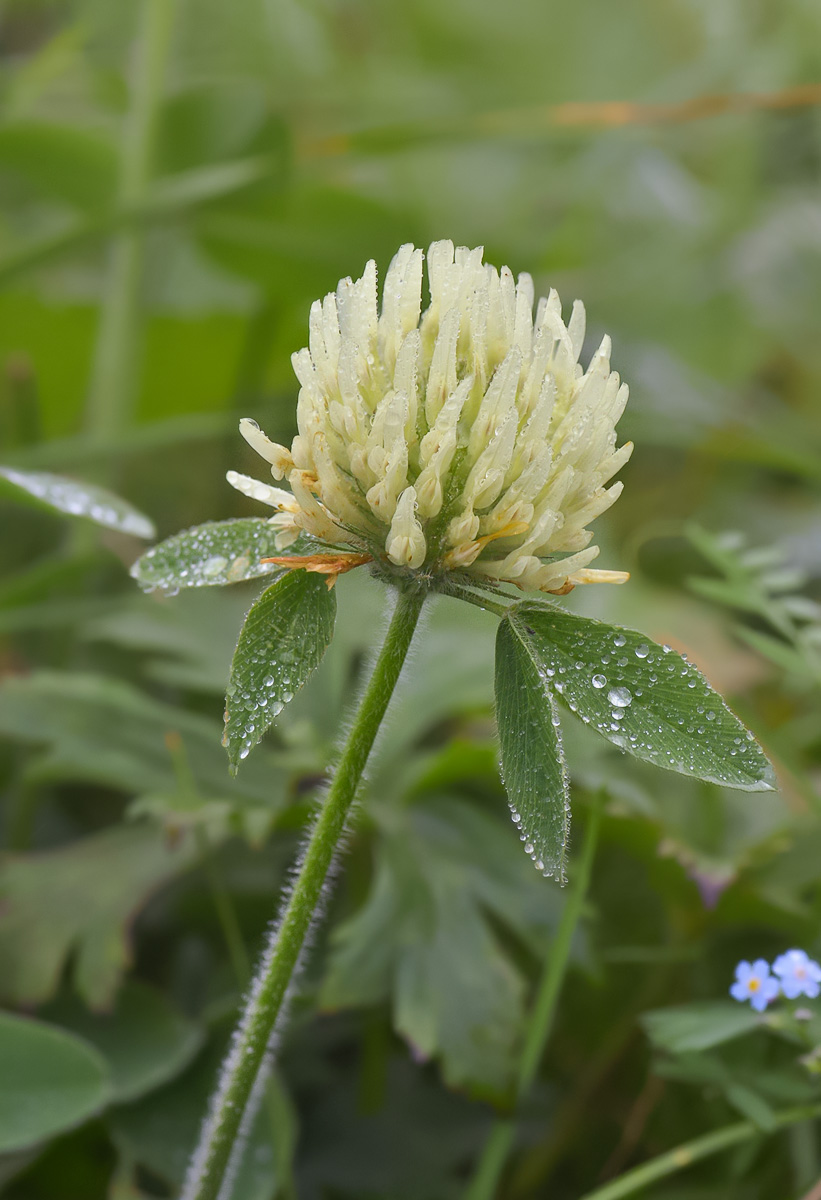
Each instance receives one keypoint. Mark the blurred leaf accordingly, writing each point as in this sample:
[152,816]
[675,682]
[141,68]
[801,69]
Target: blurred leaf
[281,644]
[214,554]
[698,1026]
[106,731]
[214,121]
[168,198]
[452,675]
[218,819]
[644,698]
[65,162]
[49,913]
[160,1132]
[79,500]
[144,1041]
[312,234]
[50,1081]
[423,937]
[533,766]
[751,1105]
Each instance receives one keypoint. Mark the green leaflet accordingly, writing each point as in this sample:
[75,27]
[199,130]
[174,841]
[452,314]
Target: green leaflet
[213,555]
[532,760]
[50,1081]
[683,1028]
[644,698]
[447,878]
[143,1039]
[285,635]
[79,500]
[51,915]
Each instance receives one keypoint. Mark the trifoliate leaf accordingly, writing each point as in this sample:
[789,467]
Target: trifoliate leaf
[644,698]
[50,1081]
[213,555]
[80,500]
[532,760]
[281,643]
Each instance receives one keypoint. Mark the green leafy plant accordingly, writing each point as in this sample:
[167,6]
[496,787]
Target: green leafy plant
[456,452]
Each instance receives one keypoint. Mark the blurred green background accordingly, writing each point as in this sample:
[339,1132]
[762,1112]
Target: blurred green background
[179,179]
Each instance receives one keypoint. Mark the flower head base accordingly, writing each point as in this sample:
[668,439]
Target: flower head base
[754,982]
[465,438]
[799,974]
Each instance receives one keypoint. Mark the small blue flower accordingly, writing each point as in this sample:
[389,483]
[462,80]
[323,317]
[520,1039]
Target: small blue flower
[799,974]
[754,983]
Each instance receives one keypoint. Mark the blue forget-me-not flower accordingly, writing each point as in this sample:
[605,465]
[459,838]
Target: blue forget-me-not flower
[754,982]
[798,974]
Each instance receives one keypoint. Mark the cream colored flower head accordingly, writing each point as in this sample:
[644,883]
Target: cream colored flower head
[466,438]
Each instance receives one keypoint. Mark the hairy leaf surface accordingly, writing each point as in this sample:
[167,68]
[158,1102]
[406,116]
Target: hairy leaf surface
[282,642]
[533,765]
[644,698]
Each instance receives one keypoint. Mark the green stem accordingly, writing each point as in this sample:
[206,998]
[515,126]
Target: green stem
[212,1159]
[224,909]
[477,598]
[112,386]
[485,1182]
[689,1152]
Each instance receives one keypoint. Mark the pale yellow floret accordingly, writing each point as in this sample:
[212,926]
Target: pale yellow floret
[465,437]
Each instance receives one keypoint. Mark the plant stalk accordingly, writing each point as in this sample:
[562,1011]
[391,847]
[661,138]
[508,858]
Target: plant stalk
[208,1174]
[485,1183]
[112,383]
[639,1178]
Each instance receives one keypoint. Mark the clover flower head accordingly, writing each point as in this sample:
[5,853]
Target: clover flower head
[799,975]
[754,982]
[462,438]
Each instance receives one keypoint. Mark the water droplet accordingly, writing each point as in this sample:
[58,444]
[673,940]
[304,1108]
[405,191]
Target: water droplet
[599,681]
[620,697]
[619,640]
[643,650]
[214,565]
[268,681]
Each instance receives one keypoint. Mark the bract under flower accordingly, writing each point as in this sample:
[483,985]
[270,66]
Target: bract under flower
[465,438]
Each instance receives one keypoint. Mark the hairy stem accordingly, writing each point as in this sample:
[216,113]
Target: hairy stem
[485,1183]
[208,1175]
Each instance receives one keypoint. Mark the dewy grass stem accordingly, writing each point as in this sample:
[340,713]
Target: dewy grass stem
[209,1176]
[485,1183]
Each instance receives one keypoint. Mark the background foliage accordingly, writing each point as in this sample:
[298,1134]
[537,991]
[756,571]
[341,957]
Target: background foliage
[178,180]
